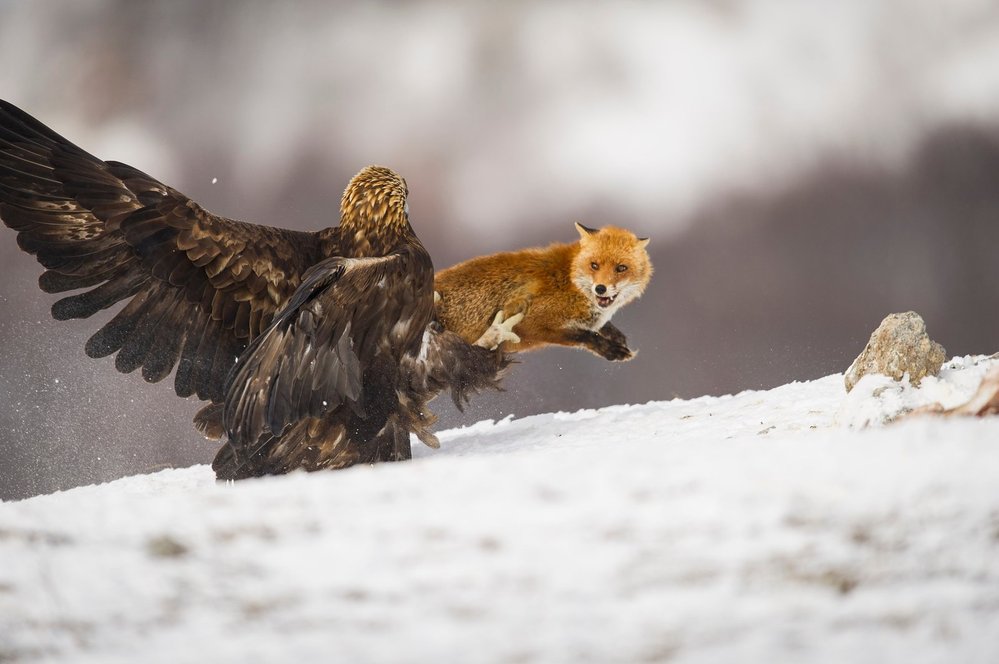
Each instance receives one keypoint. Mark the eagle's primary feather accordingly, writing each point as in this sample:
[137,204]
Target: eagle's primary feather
[316,349]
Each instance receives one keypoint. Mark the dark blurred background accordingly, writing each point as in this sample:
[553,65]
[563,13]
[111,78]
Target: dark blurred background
[803,170]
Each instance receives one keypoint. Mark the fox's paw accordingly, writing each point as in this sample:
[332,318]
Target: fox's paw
[500,331]
[616,352]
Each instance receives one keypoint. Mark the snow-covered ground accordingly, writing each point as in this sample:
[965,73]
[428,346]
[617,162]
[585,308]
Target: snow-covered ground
[760,527]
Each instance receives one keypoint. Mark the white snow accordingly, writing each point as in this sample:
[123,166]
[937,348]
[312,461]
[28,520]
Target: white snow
[759,527]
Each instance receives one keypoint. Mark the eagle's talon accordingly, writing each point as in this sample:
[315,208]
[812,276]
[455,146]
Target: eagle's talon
[500,331]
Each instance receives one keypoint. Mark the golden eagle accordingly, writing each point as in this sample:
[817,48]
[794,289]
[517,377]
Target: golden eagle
[316,349]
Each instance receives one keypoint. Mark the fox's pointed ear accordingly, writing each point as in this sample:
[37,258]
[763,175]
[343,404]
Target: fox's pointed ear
[643,242]
[585,232]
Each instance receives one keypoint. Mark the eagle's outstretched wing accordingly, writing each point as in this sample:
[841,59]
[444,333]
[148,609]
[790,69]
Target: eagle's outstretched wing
[199,286]
[329,362]
[321,387]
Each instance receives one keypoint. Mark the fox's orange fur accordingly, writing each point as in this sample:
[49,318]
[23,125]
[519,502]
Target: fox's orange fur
[567,292]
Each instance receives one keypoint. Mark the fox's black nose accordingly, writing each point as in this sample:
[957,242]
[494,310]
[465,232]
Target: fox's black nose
[600,289]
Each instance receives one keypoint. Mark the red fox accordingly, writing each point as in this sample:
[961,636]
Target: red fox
[565,293]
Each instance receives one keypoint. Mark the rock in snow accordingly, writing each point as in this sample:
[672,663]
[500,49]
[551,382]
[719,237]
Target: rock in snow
[898,347]
[751,528]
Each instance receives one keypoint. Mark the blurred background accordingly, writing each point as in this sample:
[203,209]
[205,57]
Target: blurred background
[803,169]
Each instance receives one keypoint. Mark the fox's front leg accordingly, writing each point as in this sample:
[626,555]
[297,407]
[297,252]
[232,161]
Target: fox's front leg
[611,332]
[605,347]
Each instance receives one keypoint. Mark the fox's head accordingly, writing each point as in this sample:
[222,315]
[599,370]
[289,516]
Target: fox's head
[612,267]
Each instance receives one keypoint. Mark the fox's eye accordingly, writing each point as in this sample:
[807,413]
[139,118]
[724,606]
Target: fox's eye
[595,266]
[621,268]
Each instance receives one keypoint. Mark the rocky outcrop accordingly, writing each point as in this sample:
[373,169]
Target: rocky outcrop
[898,347]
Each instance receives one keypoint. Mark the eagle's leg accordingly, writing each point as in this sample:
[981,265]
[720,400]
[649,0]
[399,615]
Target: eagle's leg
[500,331]
[390,444]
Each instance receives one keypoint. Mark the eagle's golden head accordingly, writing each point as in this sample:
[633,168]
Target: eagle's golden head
[374,202]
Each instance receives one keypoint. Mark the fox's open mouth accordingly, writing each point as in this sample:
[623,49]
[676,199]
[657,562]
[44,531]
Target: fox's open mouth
[605,300]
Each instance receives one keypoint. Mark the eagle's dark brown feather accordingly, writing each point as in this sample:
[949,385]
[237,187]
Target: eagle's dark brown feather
[337,351]
[195,280]
[322,386]
[448,362]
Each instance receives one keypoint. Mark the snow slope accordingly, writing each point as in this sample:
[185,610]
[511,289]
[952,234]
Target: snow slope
[758,527]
